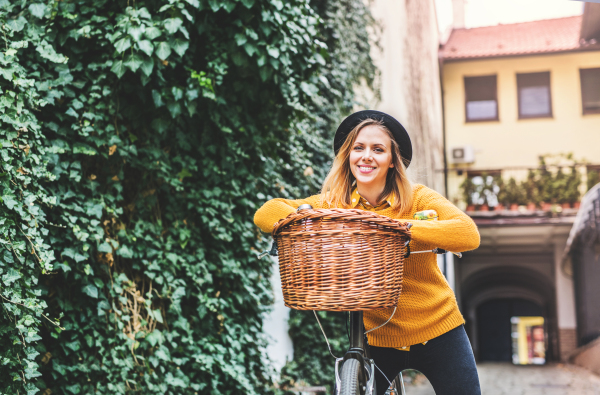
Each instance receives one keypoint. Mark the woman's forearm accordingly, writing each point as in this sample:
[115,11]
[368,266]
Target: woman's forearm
[277,209]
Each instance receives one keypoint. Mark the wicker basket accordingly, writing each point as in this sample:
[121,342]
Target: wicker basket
[340,260]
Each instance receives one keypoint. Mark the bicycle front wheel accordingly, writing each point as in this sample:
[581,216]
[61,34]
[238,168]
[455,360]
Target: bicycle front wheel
[350,378]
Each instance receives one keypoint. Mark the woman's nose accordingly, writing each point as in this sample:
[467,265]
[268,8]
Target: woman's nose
[367,155]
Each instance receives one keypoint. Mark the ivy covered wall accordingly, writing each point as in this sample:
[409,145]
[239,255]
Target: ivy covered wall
[138,139]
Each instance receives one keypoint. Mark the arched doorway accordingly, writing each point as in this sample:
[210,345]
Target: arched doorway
[492,296]
[494,326]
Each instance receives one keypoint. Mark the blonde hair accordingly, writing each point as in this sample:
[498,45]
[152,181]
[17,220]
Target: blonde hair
[337,187]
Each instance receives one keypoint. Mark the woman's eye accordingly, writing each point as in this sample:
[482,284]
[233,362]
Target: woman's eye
[357,148]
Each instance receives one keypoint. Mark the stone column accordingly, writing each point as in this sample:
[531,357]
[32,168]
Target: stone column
[565,303]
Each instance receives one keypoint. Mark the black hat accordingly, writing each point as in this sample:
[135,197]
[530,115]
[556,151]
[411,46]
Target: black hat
[400,134]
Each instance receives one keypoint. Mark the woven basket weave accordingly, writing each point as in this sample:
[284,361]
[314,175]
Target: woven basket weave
[340,260]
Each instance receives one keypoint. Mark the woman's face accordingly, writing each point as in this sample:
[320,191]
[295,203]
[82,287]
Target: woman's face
[371,157]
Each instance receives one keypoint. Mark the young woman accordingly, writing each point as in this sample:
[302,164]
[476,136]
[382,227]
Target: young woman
[426,333]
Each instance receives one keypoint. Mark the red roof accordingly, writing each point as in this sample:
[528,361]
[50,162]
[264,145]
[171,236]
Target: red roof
[538,37]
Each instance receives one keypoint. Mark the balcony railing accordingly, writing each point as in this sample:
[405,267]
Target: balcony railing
[547,187]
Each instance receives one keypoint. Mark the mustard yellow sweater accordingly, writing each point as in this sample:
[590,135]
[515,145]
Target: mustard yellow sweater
[427,307]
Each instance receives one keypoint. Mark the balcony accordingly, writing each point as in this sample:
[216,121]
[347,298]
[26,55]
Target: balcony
[544,190]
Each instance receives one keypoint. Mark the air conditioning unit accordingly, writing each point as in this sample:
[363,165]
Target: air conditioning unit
[463,154]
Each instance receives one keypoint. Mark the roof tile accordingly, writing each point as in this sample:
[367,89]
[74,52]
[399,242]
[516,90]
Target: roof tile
[545,36]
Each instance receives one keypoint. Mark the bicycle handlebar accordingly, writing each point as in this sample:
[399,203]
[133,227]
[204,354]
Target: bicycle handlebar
[439,251]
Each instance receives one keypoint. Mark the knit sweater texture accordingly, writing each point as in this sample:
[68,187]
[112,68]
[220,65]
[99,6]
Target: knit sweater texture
[427,307]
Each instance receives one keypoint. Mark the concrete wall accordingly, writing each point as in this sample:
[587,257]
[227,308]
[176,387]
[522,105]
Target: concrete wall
[409,86]
[280,348]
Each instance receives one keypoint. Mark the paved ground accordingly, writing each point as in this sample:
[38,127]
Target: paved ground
[507,379]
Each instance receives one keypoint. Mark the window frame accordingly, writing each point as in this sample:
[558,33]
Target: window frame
[497,118]
[551,113]
[583,110]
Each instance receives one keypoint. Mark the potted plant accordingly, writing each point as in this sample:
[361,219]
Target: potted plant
[571,190]
[468,190]
[512,194]
[593,178]
[532,190]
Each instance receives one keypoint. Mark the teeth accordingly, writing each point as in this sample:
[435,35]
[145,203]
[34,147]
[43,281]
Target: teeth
[366,168]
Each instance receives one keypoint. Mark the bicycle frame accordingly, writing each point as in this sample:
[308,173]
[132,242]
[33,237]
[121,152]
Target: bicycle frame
[359,352]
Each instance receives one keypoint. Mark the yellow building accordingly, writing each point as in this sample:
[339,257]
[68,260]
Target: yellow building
[513,93]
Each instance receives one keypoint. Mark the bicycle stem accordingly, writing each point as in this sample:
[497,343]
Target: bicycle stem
[357,330]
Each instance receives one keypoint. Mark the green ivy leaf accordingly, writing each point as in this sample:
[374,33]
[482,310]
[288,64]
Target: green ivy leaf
[274,52]
[241,39]
[90,290]
[118,68]
[183,174]
[47,51]
[180,46]
[163,50]
[172,25]
[133,62]
[152,32]
[125,252]
[11,277]
[215,5]
[10,201]
[193,3]
[135,32]
[146,46]
[37,9]
[17,24]
[147,66]
[123,44]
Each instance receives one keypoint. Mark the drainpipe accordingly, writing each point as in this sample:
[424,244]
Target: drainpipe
[441,76]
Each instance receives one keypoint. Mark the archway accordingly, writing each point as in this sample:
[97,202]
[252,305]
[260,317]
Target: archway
[494,326]
[492,296]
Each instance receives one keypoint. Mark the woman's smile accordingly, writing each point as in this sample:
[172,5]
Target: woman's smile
[370,160]
[366,169]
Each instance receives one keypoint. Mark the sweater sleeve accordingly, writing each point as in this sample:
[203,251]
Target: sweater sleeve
[276,209]
[453,231]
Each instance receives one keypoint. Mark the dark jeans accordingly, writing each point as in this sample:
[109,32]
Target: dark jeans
[447,361]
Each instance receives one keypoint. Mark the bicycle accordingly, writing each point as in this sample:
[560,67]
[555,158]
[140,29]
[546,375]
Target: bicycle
[355,371]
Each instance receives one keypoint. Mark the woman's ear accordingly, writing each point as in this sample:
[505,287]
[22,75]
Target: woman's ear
[391,165]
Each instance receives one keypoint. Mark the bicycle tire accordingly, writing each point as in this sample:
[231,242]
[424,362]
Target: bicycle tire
[350,378]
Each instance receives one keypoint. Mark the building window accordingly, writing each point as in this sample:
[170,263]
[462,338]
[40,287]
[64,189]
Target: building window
[590,90]
[481,98]
[534,95]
